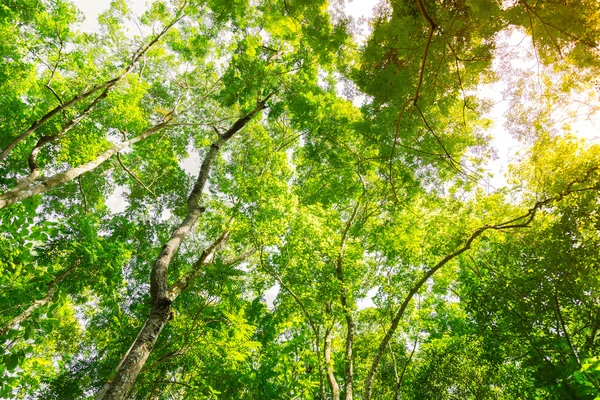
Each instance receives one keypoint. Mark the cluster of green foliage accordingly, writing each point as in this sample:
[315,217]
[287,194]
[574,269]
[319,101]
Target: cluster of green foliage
[244,172]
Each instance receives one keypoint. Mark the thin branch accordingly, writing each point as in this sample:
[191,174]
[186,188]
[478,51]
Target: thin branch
[564,328]
[461,84]
[188,341]
[592,337]
[290,291]
[396,135]
[58,57]
[47,86]
[207,257]
[401,379]
[84,197]
[432,28]
[572,36]
[451,161]
[437,72]
[38,303]
[135,177]
[535,50]
[568,339]
[298,301]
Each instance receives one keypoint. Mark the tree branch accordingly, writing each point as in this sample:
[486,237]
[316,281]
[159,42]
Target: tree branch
[520,222]
[19,193]
[107,85]
[34,167]
[401,379]
[207,257]
[38,303]
[432,28]
[84,197]
[135,177]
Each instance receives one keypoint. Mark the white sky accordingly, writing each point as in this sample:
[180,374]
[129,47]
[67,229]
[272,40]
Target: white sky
[92,8]
[505,145]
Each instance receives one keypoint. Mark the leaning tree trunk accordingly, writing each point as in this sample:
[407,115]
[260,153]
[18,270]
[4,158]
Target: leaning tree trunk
[161,294]
[122,383]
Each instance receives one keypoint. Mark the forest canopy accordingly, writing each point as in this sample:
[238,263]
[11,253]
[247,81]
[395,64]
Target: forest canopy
[270,199]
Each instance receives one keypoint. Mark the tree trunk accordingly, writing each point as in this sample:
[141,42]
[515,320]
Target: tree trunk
[522,221]
[349,370]
[349,373]
[122,383]
[161,295]
[312,324]
[348,356]
[335,388]
[159,288]
[320,366]
[398,317]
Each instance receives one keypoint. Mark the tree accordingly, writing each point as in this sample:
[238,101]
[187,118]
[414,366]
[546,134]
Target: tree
[244,171]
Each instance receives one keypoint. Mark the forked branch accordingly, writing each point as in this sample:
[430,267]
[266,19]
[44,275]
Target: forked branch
[522,221]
